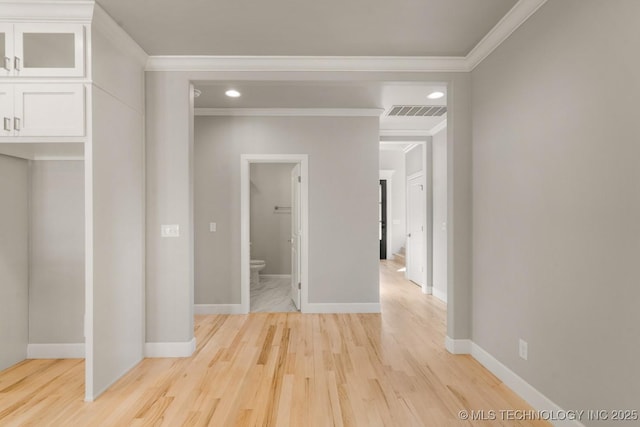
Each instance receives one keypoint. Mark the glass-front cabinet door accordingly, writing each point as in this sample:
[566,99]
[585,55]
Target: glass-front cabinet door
[6,49]
[48,50]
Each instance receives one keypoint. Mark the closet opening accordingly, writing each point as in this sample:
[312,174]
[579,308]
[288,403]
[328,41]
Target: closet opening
[42,248]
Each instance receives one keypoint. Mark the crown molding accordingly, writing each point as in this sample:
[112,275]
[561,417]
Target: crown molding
[46,10]
[104,23]
[516,16]
[307,63]
[405,133]
[510,22]
[301,112]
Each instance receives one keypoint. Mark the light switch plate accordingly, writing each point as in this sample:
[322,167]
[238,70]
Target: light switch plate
[212,226]
[170,230]
[523,349]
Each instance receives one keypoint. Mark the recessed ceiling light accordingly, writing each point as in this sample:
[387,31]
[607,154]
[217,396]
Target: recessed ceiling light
[435,95]
[232,93]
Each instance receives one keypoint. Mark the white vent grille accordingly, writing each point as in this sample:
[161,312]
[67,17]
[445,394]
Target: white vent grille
[417,111]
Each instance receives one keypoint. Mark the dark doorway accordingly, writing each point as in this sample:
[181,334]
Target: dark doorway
[382,218]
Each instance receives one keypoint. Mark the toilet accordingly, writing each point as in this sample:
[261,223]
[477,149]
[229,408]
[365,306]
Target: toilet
[257,265]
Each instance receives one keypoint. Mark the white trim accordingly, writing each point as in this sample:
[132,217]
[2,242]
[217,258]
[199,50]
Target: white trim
[56,351]
[510,22]
[307,63]
[427,289]
[442,296]
[88,256]
[276,276]
[46,158]
[103,22]
[218,309]
[315,112]
[405,132]
[245,160]
[386,173]
[439,127]
[170,349]
[326,308]
[531,395]
[458,346]
[47,10]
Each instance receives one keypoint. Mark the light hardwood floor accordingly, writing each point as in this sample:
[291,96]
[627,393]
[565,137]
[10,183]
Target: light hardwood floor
[284,369]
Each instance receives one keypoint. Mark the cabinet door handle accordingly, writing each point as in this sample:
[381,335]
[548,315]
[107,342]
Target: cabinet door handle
[16,63]
[7,63]
[16,123]
[7,124]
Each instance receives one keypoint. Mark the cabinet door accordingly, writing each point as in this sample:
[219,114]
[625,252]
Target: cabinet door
[6,49]
[49,50]
[6,110]
[49,109]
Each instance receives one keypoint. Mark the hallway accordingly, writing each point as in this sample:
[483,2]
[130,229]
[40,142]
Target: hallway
[281,369]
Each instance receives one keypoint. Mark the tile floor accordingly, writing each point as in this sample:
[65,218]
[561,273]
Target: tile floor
[273,294]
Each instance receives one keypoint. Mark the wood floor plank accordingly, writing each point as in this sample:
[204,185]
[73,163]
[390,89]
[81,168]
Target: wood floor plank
[281,369]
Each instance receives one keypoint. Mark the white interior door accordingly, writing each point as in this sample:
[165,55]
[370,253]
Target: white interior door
[296,236]
[415,231]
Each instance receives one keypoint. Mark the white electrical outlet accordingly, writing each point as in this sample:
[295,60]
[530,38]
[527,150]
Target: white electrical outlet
[523,350]
[171,230]
[212,226]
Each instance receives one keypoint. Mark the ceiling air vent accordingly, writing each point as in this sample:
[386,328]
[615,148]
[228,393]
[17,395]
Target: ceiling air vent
[417,111]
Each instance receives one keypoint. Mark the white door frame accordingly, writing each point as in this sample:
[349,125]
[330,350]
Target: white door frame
[245,192]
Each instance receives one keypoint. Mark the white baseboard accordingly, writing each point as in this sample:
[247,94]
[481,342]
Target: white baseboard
[170,349]
[441,295]
[427,290]
[458,346]
[276,276]
[372,307]
[218,309]
[56,351]
[522,388]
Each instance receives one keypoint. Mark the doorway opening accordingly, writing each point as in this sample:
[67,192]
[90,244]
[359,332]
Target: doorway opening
[273,233]
[382,218]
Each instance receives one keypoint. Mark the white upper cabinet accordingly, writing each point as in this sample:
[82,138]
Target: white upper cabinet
[6,110]
[42,110]
[6,49]
[42,50]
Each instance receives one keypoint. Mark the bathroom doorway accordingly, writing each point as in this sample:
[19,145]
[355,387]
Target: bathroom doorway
[273,244]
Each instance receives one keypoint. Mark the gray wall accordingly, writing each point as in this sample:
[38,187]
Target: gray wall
[556,203]
[169,154]
[394,160]
[56,265]
[439,180]
[343,195]
[116,171]
[270,228]
[14,260]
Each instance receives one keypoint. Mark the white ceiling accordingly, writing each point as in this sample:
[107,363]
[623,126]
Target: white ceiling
[308,27]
